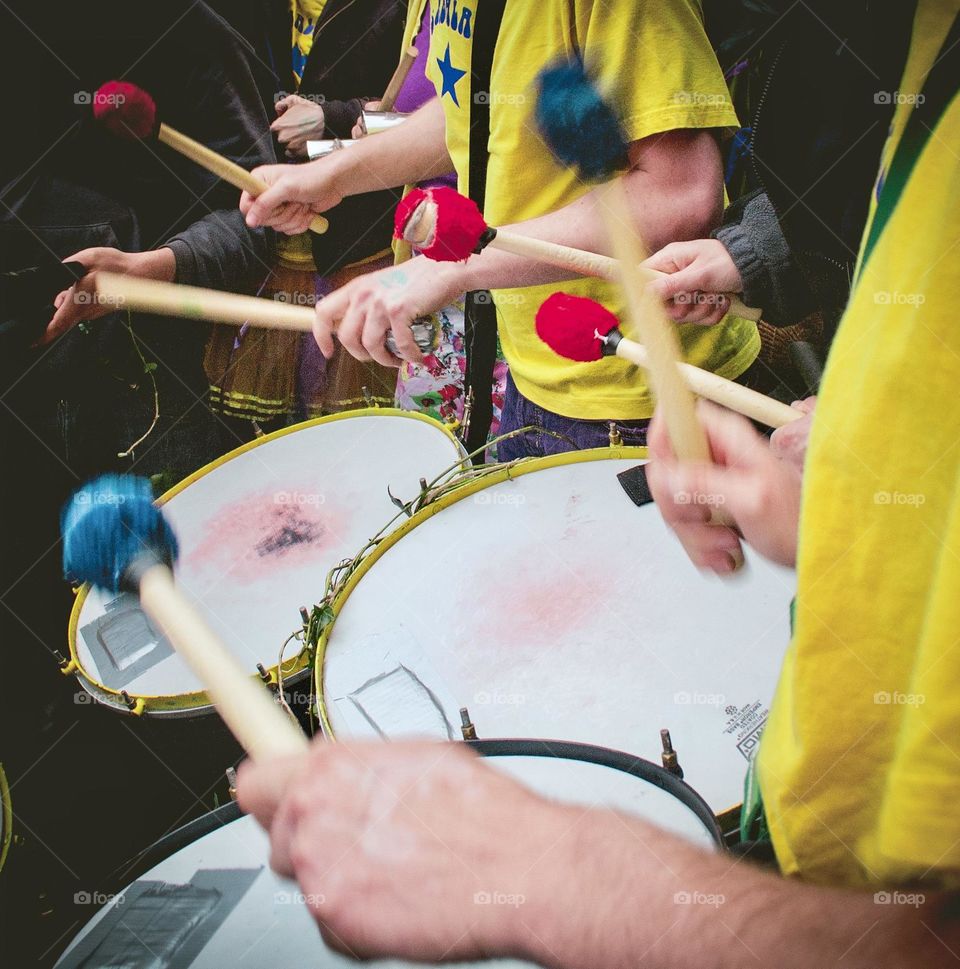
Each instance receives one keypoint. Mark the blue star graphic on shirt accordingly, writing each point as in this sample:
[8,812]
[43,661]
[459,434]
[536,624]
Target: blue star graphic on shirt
[451,75]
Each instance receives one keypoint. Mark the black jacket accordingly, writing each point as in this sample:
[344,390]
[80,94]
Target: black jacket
[817,133]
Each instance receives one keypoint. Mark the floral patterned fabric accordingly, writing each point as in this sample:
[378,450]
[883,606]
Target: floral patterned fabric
[436,387]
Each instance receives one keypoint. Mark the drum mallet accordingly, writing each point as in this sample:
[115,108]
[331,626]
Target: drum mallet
[448,227]
[583,330]
[216,306]
[583,132]
[115,538]
[130,112]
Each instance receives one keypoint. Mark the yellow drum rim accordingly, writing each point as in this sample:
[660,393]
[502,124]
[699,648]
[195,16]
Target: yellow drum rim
[199,701]
[471,487]
[6,806]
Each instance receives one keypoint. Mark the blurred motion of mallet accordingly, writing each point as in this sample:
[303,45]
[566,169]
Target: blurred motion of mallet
[116,538]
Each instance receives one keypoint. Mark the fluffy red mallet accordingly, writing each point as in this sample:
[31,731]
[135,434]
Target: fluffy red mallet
[574,326]
[125,110]
[447,226]
[583,330]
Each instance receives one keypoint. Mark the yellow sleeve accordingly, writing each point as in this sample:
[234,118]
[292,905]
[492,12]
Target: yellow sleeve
[412,26]
[653,60]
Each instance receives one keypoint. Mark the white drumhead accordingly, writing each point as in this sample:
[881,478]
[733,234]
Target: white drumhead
[258,534]
[265,921]
[551,606]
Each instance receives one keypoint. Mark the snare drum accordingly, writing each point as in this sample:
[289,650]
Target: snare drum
[258,531]
[208,899]
[546,602]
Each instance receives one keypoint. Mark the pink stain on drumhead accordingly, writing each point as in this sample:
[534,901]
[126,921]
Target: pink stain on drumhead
[258,535]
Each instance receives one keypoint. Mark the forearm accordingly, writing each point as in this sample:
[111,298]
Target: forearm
[646,898]
[664,206]
[409,153]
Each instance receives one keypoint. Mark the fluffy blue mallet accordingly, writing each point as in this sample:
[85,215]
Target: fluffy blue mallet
[110,524]
[579,127]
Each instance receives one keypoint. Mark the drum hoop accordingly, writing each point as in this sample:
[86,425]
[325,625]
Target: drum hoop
[6,807]
[620,760]
[644,770]
[470,487]
[197,703]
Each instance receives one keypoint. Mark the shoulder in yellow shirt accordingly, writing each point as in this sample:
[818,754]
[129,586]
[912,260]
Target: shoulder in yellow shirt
[654,60]
[859,766]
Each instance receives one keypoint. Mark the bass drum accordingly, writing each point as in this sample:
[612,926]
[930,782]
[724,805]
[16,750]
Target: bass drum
[258,529]
[207,898]
[545,601]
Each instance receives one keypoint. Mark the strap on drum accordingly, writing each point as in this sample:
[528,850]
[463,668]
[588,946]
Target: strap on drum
[480,315]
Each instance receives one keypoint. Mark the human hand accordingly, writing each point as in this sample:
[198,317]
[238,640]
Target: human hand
[699,273]
[81,301]
[295,196]
[360,128]
[789,443]
[299,120]
[369,307]
[398,847]
[757,491]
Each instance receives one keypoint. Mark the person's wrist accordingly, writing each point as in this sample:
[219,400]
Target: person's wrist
[158,264]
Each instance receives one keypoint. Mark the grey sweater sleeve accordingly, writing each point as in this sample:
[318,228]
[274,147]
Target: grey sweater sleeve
[752,235]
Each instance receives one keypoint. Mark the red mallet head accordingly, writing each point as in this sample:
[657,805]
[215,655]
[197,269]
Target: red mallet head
[573,326]
[125,109]
[445,225]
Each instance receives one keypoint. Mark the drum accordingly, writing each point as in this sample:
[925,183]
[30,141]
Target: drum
[258,531]
[208,899]
[6,818]
[546,602]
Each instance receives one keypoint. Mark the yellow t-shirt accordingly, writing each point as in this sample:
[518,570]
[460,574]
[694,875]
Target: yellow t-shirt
[859,766]
[654,60]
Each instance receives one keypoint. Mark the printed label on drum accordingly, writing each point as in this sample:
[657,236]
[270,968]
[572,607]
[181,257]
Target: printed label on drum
[745,724]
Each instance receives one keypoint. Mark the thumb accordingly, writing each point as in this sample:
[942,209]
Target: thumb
[733,441]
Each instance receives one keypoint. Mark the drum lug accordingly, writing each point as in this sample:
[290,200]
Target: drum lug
[467,728]
[67,666]
[136,707]
[231,773]
[614,436]
[669,755]
[267,677]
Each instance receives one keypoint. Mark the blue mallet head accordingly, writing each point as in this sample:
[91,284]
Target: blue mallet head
[110,524]
[580,128]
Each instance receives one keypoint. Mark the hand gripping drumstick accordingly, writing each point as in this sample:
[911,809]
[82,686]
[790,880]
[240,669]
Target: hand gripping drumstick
[448,227]
[197,303]
[116,538]
[581,329]
[130,112]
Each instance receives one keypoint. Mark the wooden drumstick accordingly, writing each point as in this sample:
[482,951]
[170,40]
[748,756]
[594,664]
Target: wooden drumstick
[223,168]
[584,330]
[130,112]
[215,306]
[400,75]
[116,538]
[419,228]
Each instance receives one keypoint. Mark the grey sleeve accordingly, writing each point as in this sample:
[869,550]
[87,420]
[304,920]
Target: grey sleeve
[752,235]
